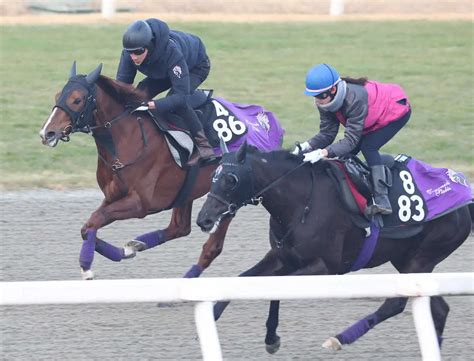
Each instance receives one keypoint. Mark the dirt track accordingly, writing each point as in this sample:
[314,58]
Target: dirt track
[16,12]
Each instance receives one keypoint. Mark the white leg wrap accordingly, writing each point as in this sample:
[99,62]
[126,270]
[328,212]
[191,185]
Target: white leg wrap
[332,343]
[87,275]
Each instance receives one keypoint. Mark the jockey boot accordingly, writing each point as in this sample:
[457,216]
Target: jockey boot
[204,150]
[379,180]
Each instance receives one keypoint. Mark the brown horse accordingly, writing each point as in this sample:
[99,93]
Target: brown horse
[135,169]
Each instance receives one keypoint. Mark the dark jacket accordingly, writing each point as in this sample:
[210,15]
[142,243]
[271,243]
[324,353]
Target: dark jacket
[173,55]
[354,109]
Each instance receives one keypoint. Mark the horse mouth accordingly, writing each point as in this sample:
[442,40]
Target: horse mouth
[50,141]
[209,227]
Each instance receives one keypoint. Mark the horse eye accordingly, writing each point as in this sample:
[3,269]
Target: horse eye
[77,101]
[232,180]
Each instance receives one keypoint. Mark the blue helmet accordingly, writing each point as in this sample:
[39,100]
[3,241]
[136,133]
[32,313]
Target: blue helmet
[321,78]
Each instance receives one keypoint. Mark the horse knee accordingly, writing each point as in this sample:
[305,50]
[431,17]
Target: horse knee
[183,231]
[211,252]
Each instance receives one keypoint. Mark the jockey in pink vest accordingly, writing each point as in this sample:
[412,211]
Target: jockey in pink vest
[371,112]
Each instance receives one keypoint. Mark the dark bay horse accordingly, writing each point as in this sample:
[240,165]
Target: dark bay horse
[135,169]
[311,232]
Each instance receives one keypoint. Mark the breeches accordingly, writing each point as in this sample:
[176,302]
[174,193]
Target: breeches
[370,143]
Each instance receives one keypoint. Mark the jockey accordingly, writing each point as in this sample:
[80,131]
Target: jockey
[371,112]
[170,59]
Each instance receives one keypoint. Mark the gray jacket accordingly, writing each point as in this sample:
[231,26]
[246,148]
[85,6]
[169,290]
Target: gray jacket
[354,109]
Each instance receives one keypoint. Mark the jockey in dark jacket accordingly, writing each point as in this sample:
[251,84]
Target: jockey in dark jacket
[172,60]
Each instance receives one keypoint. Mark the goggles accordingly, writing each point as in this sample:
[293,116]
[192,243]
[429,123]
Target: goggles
[323,95]
[138,51]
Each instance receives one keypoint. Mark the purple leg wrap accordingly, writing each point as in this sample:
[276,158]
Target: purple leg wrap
[357,329]
[87,251]
[108,251]
[152,239]
[194,271]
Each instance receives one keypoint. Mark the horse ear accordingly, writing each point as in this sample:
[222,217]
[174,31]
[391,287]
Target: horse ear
[92,77]
[223,146]
[72,72]
[242,153]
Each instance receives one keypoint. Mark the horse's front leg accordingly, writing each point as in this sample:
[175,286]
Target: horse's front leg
[210,250]
[127,207]
[179,226]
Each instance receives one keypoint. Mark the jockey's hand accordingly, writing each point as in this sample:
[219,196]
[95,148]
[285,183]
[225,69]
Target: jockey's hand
[315,155]
[303,148]
[134,105]
[151,104]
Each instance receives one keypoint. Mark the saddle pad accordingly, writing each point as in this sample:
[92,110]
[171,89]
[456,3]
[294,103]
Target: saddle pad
[421,193]
[235,123]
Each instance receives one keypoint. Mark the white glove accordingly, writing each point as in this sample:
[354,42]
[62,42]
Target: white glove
[305,147]
[313,156]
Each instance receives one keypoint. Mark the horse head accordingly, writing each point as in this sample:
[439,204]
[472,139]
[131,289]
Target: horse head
[232,187]
[73,109]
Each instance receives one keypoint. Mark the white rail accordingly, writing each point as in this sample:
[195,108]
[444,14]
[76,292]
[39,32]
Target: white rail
[207,290]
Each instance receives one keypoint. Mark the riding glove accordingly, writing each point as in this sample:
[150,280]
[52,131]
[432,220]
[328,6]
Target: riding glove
[313,156]
[305,147]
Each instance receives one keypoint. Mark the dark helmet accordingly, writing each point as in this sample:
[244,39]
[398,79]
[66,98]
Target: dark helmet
[138,35]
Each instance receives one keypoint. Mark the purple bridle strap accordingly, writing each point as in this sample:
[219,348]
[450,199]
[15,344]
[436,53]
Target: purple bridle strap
[87,251]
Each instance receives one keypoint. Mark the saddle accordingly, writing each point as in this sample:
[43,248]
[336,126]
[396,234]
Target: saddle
[353,180]
[418,192]
[221,119]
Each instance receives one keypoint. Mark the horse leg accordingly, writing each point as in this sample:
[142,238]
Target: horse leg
[124,208]
[439,311]
[210,250]
[390,308]
[272,340]
[179,226]
[265,267]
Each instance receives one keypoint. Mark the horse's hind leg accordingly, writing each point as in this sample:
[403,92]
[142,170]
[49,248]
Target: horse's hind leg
[389,308]
[179,226]
[439,311]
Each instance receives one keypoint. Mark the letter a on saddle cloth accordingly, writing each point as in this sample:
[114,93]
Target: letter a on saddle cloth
[234,123]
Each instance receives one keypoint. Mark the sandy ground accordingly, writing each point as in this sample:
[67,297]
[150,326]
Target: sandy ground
[17,12]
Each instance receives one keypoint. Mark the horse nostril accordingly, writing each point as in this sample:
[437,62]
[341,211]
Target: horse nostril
[50,135]
[206,224]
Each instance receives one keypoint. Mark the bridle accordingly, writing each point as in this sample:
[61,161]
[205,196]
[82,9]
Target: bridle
[84,121]
[80,121]
[255,199]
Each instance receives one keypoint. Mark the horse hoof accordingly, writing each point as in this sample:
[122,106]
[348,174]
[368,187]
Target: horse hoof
[87,275]
[137,245]
[129,252]
[332,343]
[274,347]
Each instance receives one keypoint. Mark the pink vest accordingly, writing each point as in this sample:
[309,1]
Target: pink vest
[383,107]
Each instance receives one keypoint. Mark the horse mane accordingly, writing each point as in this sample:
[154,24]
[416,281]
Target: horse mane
[122,92]
[281,155]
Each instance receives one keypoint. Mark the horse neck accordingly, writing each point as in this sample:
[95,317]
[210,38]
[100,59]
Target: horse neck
[288,194]
[128,136]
